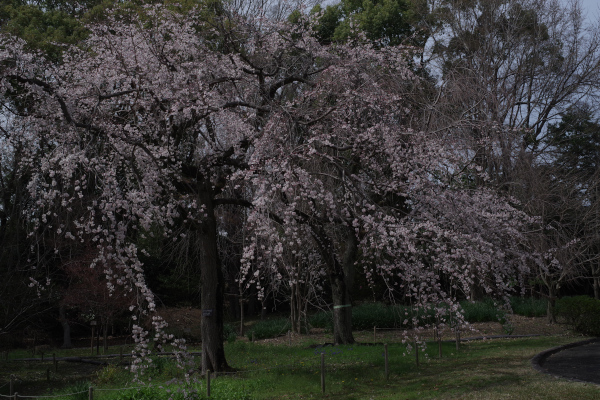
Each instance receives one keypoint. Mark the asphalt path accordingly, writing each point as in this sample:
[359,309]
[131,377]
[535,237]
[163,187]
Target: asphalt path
[576,361]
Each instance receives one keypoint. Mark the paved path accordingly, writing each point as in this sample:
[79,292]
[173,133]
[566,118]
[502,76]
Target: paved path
[577,361]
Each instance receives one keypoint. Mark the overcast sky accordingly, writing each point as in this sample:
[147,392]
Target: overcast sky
[591,8]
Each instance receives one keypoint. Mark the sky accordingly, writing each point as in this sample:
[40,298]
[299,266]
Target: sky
[591,8]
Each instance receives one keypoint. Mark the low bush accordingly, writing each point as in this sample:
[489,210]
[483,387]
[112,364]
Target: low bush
[366,316]
[229,333]
[529,307]
[322,319]
[269,328]
[481,311]
[582,312]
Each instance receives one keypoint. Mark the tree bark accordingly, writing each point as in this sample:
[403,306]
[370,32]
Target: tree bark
[62,317]
[551,304]
[105,337]
[342,310]
[341,277]
[596,281]
[211,286]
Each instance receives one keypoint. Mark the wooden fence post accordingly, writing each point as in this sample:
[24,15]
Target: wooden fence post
[91,393]
[374,333]
[322,372]
[440,346]
[387,369]
[54,361]
[11,386]
[16,396]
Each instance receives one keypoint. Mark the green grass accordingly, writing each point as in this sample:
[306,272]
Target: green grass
[479,370]
[495,369]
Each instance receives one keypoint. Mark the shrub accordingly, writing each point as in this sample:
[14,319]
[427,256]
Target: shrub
[112,374]
[366,316]
[582,312]
[322,319]
[529,307]
[481,311]
[229,333]
[269,328]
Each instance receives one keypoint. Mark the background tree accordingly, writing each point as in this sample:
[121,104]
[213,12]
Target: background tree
[575,142]
[509,68]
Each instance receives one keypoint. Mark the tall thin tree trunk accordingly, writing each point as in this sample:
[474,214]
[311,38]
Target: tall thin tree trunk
[62,317]
[105,337]
[293,307]
[241,315]
[550,314]
[596,281]
[263,310]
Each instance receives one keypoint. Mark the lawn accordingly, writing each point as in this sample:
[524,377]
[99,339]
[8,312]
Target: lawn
[493,369]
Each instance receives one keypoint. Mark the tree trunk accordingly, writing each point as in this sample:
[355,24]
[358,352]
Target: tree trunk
[62,317]
[299,307]
[341,278]
[263,310]
[596,281]
[105,338]
[551,304]
[342,310]
[293,306]
[211,287]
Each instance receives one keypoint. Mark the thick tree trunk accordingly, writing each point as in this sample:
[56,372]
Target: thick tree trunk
[342,310]
[62,317]
[341,278]
[212,288]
